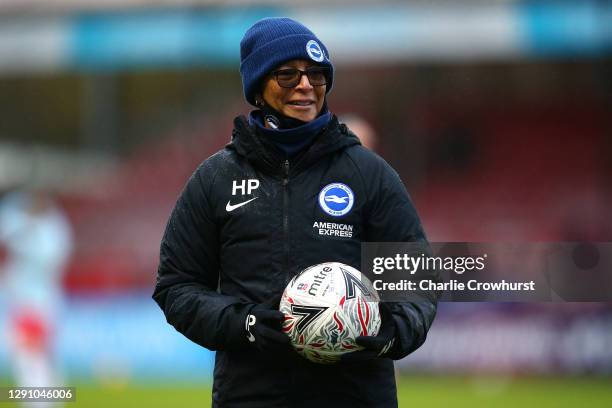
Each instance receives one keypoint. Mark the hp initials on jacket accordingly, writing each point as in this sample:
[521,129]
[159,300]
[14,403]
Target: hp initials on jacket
[244,187]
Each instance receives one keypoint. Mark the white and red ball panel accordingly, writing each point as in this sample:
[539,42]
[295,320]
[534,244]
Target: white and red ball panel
[326,307]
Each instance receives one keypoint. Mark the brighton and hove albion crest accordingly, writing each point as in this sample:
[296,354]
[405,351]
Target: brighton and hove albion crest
[336,199]
[314,50]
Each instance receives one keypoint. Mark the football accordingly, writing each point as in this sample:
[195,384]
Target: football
[326,306]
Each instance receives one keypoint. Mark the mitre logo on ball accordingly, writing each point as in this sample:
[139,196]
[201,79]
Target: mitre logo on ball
[326,306]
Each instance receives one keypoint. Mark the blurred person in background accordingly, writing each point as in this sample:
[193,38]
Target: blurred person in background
[243,226]
[37,239]
[362,129]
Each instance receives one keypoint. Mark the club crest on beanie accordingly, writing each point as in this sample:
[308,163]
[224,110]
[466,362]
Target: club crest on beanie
[272,41]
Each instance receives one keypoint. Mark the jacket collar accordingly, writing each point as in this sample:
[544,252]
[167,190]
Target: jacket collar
[264,155]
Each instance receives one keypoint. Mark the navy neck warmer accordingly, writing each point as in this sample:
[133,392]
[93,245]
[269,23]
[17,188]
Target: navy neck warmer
[292,140]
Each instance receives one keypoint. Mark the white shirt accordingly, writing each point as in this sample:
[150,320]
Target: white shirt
[38,246]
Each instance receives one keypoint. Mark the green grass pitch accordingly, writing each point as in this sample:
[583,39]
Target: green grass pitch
[413,391]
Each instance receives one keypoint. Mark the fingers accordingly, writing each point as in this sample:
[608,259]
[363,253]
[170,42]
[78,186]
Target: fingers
[359,356]
[273,302]
[384,308]
[386,315]
[274,336]
[274,316]
[370,342]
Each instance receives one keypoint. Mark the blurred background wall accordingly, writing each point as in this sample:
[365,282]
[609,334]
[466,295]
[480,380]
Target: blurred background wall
[496,114]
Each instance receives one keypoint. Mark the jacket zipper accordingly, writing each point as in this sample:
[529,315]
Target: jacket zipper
[286,244]
[286,214]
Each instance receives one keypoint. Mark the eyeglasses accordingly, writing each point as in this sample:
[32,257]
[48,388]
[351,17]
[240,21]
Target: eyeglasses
[290,77]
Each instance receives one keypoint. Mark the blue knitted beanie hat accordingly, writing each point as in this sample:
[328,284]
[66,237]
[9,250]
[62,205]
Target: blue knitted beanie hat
[272,41]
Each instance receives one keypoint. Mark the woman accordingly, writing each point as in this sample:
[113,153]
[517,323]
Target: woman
[254,214]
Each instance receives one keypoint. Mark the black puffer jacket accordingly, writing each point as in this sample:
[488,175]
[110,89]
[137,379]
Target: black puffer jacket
[246,222]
